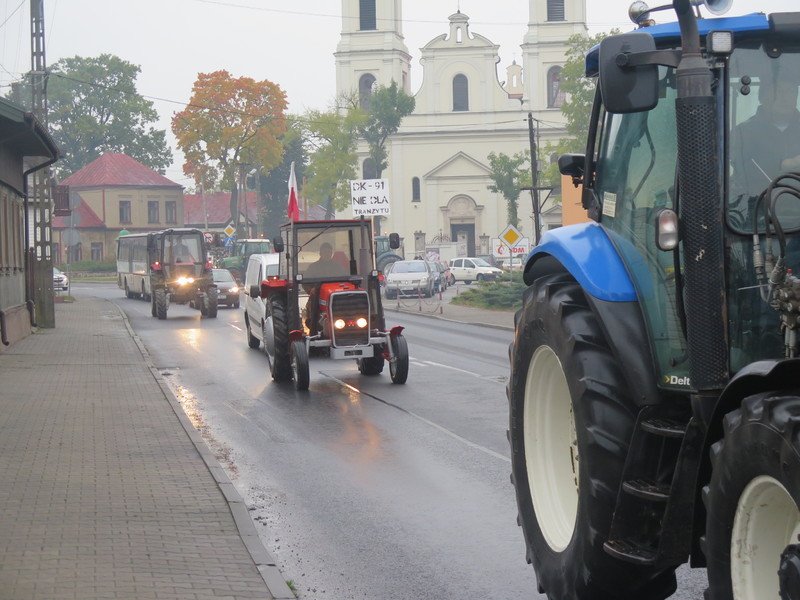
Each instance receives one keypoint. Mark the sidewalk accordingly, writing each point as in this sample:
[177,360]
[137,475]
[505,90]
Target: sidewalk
[107,491]
[497,319]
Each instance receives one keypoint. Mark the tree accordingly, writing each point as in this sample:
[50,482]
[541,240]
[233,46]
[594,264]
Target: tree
[577,107]
[333,135]
[228,124]
[388,106]
[94,108]
[509,174]
[274,186]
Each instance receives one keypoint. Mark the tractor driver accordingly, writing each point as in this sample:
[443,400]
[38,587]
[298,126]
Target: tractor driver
[768,143]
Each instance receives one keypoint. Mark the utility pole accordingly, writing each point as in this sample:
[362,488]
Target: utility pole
[205,204]
[41,206]
[534,180]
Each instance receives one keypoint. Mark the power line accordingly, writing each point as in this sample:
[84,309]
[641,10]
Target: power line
[13,12]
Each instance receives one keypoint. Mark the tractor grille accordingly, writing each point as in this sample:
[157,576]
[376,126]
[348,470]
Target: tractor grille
[349,306]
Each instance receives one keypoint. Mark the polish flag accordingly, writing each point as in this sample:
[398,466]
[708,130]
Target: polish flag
[293,209]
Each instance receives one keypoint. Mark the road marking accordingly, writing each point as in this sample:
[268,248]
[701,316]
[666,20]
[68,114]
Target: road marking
[472,373]
[418,362]
[235,327]
[444,430]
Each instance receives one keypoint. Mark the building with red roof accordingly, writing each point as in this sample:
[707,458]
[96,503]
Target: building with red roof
[211,211]
[113,193]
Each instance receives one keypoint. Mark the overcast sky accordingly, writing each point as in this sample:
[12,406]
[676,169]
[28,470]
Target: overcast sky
[290,43]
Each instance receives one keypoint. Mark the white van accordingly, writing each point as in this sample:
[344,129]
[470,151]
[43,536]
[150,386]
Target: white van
[471,269]
[259,267]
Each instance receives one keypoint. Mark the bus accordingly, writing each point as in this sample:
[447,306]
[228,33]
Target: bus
[133,269]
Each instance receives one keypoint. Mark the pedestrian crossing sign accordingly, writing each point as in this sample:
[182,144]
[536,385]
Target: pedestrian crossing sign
[511,236]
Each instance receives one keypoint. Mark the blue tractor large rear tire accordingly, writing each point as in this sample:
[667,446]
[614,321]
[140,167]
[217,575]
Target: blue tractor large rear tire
[571,419]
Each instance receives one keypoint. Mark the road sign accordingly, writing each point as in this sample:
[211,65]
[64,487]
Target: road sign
[229,230]
[370,197]
[501,250]
[228,242]
[209,237]
[511,236]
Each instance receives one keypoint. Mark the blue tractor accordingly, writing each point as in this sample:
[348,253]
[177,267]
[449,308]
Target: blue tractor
[655,380]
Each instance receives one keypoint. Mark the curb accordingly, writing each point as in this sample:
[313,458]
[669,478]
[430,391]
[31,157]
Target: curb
[430,316]
[263,559]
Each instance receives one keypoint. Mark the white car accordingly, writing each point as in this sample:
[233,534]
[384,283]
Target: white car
[60,280]
[410,278]
[471,269]
[259,268]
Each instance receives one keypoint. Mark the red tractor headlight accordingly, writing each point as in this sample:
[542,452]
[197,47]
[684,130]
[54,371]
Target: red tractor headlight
[339,324]
[361,322]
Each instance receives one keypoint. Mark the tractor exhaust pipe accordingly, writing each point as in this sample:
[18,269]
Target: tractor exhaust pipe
[701,214]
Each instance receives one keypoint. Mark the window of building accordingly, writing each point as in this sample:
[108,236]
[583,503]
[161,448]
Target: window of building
[460,93]
[555,95]
[415,191]
[56,253]
[368,169]
[555,10]
[124,211]
[152,211]
[365,84]
[74,253]
[171,210]
[367,11]
[97,251]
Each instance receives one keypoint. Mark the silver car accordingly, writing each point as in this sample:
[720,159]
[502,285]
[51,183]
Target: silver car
[60,280]
[410,278]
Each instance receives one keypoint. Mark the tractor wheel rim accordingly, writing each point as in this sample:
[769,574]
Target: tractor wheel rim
[551,448]
[767,520]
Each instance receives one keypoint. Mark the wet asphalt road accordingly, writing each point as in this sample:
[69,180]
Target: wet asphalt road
[360,488]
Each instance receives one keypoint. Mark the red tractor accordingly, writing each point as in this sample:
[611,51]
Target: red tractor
[326,301]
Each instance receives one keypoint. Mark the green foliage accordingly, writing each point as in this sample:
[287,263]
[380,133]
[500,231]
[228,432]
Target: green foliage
[503,294]
[388,106]
[274,187]
[333,137]
[577,107]
[509,174]
[94,108]
[91,266]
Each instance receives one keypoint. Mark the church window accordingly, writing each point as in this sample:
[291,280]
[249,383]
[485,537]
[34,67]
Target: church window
[555,10]
[555,95]
[368,169]
[365,85]
[460,93]
[415,191]
[459,39]
[368,15]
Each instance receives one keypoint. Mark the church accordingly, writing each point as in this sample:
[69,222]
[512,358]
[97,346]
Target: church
[438,161]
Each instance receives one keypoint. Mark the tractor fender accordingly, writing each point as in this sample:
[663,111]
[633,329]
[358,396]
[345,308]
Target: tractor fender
[588,255]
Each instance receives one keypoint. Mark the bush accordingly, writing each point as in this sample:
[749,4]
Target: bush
[503,294]
[90,266]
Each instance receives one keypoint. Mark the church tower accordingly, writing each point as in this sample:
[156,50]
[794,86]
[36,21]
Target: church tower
[371,49]
[550,24]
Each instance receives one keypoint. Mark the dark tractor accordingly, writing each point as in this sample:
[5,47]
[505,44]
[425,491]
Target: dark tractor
[385,253]
[326,301]
[180,272]
[655,381]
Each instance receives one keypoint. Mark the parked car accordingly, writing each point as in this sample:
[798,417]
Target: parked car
[446,274]
[227,287]
[441,276]
[410,278]
[60,280]
[471,269]
[259,268]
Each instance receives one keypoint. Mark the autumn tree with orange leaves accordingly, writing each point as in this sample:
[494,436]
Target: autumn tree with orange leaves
[230,121]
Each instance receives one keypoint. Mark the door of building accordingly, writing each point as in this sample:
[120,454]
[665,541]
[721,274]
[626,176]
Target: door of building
[466,232]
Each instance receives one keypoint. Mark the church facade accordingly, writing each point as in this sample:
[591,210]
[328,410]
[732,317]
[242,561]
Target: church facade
[438,161]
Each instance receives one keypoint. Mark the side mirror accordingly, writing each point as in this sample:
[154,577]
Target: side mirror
[255,291]
[277,244]
[625,88]
[394,241]
[572,165]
